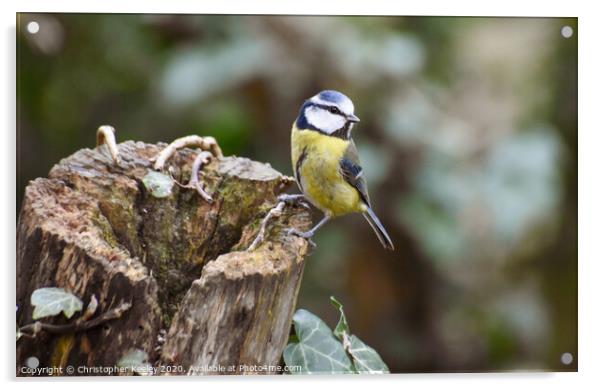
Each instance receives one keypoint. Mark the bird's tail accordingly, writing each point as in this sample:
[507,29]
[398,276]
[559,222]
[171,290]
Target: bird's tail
[378,228]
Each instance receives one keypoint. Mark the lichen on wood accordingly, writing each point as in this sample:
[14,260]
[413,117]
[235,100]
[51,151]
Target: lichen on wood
[92,229]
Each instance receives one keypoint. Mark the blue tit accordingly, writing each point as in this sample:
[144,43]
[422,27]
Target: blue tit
[326,162]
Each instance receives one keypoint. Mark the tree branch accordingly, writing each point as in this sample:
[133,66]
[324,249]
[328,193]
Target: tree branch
[33,329]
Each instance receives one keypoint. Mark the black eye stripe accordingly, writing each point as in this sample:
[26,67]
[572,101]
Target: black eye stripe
[332,109]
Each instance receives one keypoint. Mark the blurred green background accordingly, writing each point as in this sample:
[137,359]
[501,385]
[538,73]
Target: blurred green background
[468,139]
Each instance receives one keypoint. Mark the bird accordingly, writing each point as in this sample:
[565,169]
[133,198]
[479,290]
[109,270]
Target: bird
[326,163]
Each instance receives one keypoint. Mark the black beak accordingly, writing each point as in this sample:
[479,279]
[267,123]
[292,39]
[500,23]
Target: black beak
[353,118]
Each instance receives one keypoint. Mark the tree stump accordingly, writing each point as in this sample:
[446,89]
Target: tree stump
[93,229]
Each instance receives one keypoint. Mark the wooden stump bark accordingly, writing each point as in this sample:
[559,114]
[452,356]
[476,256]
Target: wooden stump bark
[92,229]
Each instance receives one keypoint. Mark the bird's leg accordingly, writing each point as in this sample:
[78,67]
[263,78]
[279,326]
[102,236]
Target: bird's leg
[309,234]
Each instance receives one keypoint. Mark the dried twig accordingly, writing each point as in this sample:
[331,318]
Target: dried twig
[33,329]
[201,159]
[90,310]
[204,143]
[106,135]
[276,212]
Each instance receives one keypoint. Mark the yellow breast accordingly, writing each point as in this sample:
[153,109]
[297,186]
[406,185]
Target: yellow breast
[319,173]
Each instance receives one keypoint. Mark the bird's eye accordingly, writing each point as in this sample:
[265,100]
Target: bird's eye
[333,110]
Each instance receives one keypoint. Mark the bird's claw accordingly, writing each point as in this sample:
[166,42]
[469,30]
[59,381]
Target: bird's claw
[296,199]
[305,205]
[297,233]
[307,235]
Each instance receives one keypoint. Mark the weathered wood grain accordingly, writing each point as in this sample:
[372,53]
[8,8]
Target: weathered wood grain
[92,228]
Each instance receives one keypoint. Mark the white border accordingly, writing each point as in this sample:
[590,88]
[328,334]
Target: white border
[333,7]
[590,193]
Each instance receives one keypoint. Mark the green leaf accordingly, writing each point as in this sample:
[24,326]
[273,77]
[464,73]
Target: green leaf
[158,184]
[342,327]
[318,351]
[365,359]
[50,301]
[135,360]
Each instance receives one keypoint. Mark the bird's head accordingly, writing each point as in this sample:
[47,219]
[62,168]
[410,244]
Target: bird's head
[329,112]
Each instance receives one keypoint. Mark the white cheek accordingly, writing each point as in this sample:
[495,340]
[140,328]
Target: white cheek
[324,120]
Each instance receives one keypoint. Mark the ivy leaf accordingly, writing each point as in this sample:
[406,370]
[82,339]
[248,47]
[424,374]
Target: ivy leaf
[342,327]
[135,360]
[365,358]
[317,351]
[50,301]
[158,184]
